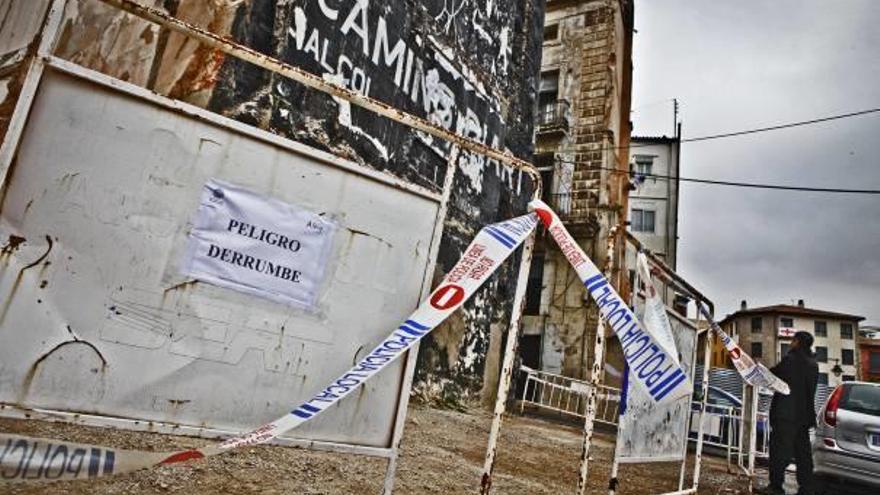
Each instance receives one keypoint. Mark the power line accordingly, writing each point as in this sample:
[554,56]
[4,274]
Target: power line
[756,130]
[752,185]
[781,126]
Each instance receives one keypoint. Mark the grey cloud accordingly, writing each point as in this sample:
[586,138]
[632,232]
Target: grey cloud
[737,65]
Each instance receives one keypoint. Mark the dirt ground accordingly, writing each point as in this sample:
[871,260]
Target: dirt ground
[442,452]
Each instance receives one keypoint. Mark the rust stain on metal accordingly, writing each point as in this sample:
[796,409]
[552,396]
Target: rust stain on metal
[12,244]
[13,89]
[201,63]
[32,372]
[356,232]
[181,286]
[41,258]
[17,283]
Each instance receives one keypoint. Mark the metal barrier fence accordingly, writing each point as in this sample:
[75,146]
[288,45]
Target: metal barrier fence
[723,425]
[567,395]
[723,429]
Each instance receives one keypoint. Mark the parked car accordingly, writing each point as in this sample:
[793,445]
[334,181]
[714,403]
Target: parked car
[847,443]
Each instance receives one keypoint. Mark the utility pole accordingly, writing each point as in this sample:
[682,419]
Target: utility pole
[675,117]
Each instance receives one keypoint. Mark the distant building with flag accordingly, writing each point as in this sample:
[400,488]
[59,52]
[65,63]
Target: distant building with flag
[766,332]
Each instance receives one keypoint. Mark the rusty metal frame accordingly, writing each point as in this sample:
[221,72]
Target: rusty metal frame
[671,278]
[312,81]
[36,67]
[44,59]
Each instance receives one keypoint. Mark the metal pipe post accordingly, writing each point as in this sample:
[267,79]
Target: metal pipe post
[707,356]
[510,350]
[753,432]
[595,379]
[690,409]
[615,463]
[412,354]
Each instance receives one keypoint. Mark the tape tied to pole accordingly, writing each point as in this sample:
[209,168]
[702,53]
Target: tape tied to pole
[653,367]
[755,374]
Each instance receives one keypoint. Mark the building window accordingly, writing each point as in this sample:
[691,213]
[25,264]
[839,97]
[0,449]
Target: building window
[786,322]
[783,349]
[821,328]
[757,324]
[823,378]
[849,378]
[548,88]
[846,331]
[822,354]
[757,350]
[874,362]
[644,165]
[551,32]
[642,220]
[847,356]
[535,286]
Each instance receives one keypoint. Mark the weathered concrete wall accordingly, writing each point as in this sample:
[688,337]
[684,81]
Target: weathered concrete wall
[467,65]
[592,54]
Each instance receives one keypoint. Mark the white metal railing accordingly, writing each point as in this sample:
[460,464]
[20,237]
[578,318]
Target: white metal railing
[722,427]
[567,395]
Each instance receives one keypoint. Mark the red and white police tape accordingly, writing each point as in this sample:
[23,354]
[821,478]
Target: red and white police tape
[33,459]
[755,374]
[651,365]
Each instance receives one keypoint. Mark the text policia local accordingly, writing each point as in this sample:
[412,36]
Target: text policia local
[250,262]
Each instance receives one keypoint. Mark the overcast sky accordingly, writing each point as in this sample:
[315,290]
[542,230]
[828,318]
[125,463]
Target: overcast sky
[741,64]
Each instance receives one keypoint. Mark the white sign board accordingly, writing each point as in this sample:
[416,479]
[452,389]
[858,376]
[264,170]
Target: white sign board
[96,317]
[258,245]
[650,432]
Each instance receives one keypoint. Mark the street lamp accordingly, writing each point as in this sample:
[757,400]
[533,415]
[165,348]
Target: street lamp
[836,369]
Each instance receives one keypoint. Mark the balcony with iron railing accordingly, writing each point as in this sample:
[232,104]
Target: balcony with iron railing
[572,208]
[553,118]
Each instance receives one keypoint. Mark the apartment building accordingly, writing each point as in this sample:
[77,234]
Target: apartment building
[766,333]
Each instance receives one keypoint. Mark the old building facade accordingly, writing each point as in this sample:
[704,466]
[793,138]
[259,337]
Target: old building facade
[765,333]
[582,129]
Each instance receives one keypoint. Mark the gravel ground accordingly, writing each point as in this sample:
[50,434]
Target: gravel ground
[442,452]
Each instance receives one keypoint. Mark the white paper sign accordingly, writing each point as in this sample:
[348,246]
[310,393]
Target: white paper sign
[259,245]
[654,318]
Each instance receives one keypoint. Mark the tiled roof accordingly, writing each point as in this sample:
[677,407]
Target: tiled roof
[788,309]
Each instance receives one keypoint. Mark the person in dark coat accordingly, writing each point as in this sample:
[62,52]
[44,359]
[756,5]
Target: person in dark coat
[792,416]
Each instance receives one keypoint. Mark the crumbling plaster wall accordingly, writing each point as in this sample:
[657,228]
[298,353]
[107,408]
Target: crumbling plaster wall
[593,56]
[468,65]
